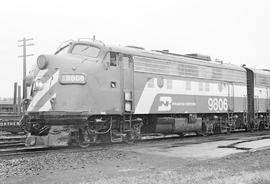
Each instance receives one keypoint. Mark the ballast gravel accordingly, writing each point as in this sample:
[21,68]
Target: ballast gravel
[33,165]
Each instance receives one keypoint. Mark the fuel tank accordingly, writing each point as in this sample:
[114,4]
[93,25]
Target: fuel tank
[169,125]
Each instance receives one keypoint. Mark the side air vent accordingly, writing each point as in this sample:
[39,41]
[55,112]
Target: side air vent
[199,56]
[135,47]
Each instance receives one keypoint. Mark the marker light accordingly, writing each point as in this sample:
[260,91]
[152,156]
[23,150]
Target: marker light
[42,62]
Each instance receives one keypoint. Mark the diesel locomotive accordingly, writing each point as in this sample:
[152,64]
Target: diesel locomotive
[89,92]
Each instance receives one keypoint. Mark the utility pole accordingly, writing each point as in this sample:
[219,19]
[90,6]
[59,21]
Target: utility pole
[19,100]
[24,45]
[15,98]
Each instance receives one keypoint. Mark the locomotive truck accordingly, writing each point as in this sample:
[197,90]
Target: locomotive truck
[89,92]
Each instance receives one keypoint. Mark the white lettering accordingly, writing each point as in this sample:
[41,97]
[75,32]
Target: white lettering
[218,104]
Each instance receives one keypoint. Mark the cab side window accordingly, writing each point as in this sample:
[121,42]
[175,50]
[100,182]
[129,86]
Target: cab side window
[113,59]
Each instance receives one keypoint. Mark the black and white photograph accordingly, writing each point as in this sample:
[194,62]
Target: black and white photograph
[135,92]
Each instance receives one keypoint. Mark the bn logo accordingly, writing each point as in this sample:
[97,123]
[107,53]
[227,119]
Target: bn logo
[166,103]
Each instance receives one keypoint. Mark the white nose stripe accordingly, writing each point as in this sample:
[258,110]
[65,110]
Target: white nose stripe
[47,106]
[41,73]
[47,86]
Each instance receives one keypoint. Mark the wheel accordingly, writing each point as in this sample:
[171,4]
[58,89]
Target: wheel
[261,126]
[130,137]
[85,138]
[228,130]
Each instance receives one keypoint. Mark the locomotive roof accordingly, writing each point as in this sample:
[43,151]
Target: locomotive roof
[172,57]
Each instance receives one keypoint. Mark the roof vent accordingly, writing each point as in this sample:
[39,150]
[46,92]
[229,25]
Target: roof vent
[219,61]
[166,52]
[199,56]
[135,47]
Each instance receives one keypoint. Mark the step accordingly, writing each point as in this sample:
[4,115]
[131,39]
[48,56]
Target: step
[116,139]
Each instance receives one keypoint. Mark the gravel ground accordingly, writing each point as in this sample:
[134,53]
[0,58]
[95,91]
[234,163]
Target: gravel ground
[34,165]
[121,164]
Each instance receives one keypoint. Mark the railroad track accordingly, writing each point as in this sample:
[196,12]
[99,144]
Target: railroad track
[8,141]
[14,151]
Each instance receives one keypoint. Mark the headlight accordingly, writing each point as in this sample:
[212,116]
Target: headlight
[42,62]
[38,85]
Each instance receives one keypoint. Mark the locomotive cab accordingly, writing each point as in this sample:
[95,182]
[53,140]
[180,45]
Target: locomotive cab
[80,80]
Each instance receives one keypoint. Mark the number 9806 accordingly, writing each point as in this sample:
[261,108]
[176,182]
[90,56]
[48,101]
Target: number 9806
[218,104]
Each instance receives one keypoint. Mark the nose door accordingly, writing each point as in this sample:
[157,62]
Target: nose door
[127,84]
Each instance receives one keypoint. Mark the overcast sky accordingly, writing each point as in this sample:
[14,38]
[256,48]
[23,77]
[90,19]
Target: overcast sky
[235,31]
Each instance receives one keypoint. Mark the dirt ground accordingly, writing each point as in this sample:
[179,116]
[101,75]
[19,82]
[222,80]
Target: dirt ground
[210,160]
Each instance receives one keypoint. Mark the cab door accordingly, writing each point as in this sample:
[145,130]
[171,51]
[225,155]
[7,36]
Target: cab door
[108,94]
[127,82]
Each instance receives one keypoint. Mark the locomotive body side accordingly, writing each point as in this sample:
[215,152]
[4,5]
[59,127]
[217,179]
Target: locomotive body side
[165,84]
[173,87]
[180,87]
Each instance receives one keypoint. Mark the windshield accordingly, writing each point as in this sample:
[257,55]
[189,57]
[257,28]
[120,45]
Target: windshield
[85,50]
[62,50]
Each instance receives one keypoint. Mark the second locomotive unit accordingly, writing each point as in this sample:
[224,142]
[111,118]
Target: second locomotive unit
[88,92]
